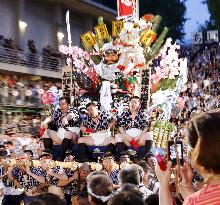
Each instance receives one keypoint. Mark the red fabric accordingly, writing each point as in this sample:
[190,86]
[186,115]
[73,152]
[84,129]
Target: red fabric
[41,131]
[208,195]
[89,130]
[125,7]
[134,144]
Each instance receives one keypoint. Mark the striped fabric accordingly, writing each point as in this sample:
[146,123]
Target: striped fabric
[208,195]
[114,177]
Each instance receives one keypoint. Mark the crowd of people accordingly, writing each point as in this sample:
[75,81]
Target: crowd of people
[23,91]
[202,92]
[48,58]
[122,174]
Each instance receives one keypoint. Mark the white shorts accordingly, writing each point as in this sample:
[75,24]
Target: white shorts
[100,137]
[62,131]
[133,132]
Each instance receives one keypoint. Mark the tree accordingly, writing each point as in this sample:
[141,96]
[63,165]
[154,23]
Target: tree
[214,6]
[172,12]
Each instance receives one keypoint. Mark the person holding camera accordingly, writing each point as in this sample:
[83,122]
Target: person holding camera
[203,135]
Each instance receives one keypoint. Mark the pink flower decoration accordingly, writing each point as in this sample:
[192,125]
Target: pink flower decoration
[78,63]
[68,61]
[64,49]
[47,98]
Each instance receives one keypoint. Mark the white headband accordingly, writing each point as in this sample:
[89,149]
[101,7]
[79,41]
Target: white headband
[102,198]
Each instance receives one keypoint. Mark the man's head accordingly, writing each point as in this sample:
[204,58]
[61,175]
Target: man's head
[8,145]
[140,171]
[129,175]
[151,160]
[111,56]
[69,158]
[3,155]
[2,147]
[45,158]
[28,154]
[64,103]
[125,157]
[135,103]
[126,197]
[108,161]
[100,189]
[92,109]
[84,171]
[47,199]
[145,168]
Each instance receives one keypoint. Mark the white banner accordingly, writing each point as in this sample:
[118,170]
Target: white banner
[212,36]
[197,38]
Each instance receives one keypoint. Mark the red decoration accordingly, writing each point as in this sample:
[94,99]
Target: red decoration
[92,75]
[139,65]
[130,87]
[125,7]
[121,67]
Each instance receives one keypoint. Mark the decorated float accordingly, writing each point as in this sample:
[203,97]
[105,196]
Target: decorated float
[134,59]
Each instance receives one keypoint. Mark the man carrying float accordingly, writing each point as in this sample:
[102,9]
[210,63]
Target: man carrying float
[66,131]
[133,128]
[98,124]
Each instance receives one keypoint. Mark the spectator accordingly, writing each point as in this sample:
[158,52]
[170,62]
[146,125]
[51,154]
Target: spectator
[134,175]
[126,198]
[203,137]
[100,189]
[48,199]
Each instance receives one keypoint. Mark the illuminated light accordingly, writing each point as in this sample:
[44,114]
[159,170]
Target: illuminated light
[22,25]
[60,35]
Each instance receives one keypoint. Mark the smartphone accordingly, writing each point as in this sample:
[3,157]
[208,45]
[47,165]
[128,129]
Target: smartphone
[171,152]
[161,162]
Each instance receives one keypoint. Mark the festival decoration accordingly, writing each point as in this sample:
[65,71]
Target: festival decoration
[88,40]
[125,8]
[135,59]
[117,27]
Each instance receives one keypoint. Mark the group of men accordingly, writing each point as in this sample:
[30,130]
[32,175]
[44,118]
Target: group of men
[97,128]
[23,182]
[26,182]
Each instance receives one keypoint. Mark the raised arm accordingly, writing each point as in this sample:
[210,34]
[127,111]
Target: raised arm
[61,175]
[165,197]
[70,179]
[40,178]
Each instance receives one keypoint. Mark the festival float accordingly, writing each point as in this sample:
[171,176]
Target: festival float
[134,59]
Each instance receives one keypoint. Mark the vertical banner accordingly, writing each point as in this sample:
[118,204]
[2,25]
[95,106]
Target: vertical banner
[126,8]
[67,81]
